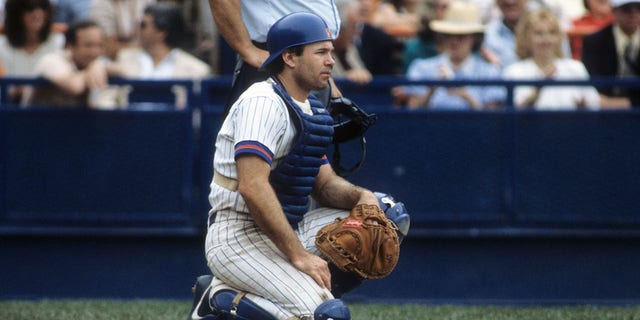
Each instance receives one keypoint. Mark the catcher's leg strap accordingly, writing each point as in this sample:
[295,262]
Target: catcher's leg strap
[237,306]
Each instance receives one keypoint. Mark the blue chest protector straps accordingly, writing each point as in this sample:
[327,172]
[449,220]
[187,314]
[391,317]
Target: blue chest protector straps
[295,175]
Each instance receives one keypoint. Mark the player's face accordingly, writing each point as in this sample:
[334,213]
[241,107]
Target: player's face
[88,47]
[315,65]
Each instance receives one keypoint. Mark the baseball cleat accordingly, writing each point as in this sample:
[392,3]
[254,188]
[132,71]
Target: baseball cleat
[201,308]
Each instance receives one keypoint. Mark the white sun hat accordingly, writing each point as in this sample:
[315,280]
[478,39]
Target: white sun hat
[460,18]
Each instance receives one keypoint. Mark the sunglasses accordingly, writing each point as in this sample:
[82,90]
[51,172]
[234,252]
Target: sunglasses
[627,8]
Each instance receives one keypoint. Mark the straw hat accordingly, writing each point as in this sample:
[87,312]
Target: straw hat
[460,18]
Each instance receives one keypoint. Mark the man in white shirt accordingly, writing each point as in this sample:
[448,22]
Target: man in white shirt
[159,56]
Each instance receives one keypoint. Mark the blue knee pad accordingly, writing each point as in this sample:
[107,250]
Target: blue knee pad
[333,309]
[232,305]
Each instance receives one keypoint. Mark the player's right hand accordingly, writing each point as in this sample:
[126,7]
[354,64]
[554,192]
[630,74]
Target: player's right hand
[316,267]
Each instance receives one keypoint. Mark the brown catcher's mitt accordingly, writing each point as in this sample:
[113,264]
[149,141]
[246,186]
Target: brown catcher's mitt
[365,242]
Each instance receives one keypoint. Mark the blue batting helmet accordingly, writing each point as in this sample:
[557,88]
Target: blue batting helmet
[295,29]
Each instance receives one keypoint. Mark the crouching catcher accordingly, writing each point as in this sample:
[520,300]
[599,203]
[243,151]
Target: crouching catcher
[273,190]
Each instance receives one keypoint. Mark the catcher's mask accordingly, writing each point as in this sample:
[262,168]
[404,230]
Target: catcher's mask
[350,123]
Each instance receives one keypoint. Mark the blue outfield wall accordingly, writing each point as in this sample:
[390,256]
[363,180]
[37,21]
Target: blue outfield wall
[507,206]
[501,270]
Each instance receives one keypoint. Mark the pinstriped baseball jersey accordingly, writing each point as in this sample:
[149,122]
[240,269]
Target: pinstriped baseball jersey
[257,123]
[237,251]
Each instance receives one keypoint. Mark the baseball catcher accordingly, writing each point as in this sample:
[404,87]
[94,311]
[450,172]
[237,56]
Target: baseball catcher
[270,165]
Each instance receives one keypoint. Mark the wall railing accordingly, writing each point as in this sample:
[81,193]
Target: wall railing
[504,173]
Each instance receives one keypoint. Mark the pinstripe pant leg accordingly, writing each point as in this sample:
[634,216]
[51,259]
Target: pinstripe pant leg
[245,259]
[313,221]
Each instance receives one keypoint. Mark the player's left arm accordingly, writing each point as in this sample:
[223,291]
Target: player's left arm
[334,191]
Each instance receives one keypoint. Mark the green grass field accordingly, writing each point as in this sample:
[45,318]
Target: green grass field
[177,310]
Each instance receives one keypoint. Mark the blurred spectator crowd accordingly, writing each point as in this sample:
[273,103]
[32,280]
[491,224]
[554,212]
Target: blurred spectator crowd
[78,44]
